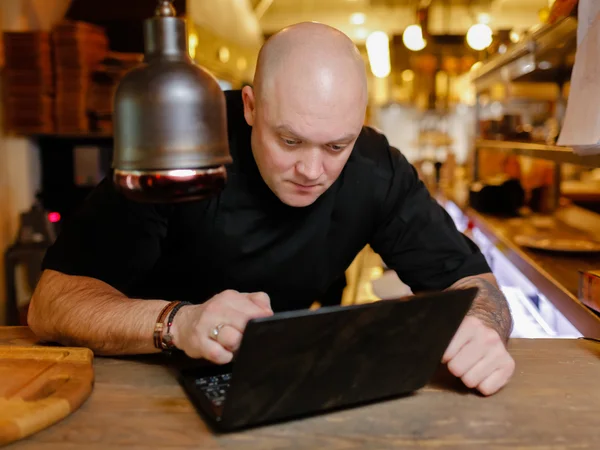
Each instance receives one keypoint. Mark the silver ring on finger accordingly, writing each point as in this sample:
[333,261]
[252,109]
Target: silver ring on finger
[214,333]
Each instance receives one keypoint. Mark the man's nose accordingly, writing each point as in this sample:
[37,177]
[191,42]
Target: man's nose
[310,165]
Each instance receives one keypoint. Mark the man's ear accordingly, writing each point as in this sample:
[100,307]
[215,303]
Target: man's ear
[249,104]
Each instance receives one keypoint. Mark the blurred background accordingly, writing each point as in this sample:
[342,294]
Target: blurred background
[59,77]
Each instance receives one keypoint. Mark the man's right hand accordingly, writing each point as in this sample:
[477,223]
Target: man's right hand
[230,311]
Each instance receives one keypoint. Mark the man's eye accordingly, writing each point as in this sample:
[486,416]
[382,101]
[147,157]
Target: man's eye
[337,147]
[290,142]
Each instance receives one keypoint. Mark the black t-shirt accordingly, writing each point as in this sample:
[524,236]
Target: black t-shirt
[248,240]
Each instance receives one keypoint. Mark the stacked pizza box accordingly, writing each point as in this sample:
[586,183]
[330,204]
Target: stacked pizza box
[28,82]
[78,49]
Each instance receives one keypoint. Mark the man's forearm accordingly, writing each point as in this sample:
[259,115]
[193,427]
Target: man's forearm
[82,311]
[490,305]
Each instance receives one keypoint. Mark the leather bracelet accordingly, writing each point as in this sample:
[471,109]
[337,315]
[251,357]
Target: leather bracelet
[160,321]
[166,340]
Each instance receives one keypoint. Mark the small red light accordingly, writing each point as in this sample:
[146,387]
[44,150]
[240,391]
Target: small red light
[54,217]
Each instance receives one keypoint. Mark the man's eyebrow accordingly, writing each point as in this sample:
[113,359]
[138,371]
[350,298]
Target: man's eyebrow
[287,130]
[346,138]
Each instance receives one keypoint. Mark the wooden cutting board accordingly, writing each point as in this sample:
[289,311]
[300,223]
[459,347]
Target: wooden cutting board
[40,386]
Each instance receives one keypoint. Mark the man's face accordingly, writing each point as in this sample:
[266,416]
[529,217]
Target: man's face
[301,147]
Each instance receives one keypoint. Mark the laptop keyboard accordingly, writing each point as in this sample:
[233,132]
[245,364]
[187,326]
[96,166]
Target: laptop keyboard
[214,387]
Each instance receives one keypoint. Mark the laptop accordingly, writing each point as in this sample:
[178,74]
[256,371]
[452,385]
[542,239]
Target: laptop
[300,363]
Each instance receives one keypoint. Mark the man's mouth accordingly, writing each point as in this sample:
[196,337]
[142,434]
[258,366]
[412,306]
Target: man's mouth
[304,186]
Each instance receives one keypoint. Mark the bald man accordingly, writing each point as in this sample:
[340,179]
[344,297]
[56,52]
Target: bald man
[309,187]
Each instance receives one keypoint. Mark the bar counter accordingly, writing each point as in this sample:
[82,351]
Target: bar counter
[555,274]
[553,401]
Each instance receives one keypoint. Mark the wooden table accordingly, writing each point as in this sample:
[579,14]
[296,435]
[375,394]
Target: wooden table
[552,402]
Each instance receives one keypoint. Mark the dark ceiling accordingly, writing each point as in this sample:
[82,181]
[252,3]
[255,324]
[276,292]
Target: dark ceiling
[122,19]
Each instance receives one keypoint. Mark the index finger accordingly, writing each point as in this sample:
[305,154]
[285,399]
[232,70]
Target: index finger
[462,336]
[261,299]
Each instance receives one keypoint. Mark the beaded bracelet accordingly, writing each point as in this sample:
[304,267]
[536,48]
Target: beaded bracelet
[167,343]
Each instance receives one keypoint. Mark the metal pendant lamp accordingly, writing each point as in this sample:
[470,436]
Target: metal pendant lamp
[170,133]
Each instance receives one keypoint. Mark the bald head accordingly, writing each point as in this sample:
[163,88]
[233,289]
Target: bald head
[310,60]
[306,110]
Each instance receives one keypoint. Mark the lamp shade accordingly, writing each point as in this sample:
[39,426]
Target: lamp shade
[170,133]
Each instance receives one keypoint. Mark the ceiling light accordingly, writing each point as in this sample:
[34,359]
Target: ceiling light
[413,38]
[223,54]
[192,44]
[483,18]
[408,75]
[358,19]
[378,50]
[361,33]
[514,37]
[479,36]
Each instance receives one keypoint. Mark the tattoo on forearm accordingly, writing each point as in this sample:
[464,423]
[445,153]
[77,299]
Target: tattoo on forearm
[490,305]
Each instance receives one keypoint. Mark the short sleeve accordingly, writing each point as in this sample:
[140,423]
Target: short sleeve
[109,238]
[416,237]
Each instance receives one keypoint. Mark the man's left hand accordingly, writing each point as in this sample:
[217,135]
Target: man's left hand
[478,356]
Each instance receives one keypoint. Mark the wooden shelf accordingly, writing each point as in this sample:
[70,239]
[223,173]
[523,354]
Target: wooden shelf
[547,55]
[549,152]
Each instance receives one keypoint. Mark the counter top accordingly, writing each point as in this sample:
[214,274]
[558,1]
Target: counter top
[553,401]
[555,274]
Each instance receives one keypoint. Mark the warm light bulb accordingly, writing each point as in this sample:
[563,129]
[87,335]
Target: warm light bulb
[224,54]
[181,173]
[361,33]
[413,38]
[408,75]
[192,44]
[378,50]
[514,37]
[357,19]
[479,36]
[483,18]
